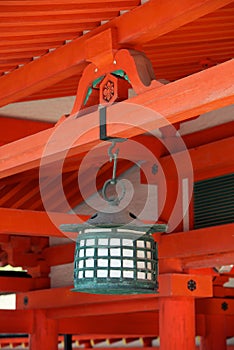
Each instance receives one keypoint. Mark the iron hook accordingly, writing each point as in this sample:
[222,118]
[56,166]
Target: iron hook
[110,151]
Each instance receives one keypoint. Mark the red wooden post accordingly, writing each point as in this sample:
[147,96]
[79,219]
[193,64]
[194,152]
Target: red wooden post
[45,332]
[215,338]
[177,323]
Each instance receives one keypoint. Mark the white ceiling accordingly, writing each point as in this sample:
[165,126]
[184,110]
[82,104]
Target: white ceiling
[49,110]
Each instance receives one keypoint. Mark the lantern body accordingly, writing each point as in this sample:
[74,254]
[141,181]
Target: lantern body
[115,254]
[115,260]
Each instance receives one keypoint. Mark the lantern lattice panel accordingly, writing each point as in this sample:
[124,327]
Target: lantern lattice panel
[115,259]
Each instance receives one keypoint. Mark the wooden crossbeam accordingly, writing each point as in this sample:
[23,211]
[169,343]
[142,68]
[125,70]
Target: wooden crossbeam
[127,325]
[12,129]
[21,284]
[16,321]
[213,159]
[176,102]
[103,308]
[94,327]
[209,160]
[90,304]
[193,249]
[64,297]
[33,223]
[134,28]
[195,244]
[59,254]
[215,306]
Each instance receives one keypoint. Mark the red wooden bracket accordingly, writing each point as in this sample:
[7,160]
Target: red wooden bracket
[137,72]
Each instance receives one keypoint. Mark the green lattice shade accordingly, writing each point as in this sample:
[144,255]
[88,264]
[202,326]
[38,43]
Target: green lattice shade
[115,261]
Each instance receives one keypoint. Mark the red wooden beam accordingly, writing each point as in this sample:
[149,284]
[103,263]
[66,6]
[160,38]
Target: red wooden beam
[207,160]
[126,325]
[136,324]
[140,324]
[65,298]
[16,321]
[134,28]
[222,292]
[63,7]
[169,100]
[192,141]
[133,325]
[12,129]
[205,136]
[104,308]
[215,306]
[33,223]
[193,249]
[169,18]
[176,285]
[21,284]
[59,254]
[196,244]
[83,304]
[64,254]
[209,166]
[208,260]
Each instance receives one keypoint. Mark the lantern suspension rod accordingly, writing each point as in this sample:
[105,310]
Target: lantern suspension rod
[102,127]
[114,158]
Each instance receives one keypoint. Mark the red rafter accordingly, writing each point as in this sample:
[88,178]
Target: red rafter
[169,100]
[134,28]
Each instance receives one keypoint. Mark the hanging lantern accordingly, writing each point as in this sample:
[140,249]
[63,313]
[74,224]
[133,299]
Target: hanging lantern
[115,252]
[114,257]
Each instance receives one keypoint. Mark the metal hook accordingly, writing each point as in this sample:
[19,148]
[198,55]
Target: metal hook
[110,151]
[113,156]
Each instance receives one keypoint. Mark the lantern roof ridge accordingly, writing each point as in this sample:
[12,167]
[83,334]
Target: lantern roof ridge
[122,218]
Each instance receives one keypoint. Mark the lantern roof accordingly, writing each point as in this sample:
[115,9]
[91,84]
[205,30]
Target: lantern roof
[122,218]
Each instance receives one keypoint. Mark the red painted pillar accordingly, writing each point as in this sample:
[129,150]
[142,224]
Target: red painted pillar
[215,338]
[177,323]
[45,332]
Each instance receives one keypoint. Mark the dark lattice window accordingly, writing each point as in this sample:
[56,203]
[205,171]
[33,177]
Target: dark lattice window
[213,201]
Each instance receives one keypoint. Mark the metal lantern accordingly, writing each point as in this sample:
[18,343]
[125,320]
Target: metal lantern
[115,253]
[113,257]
